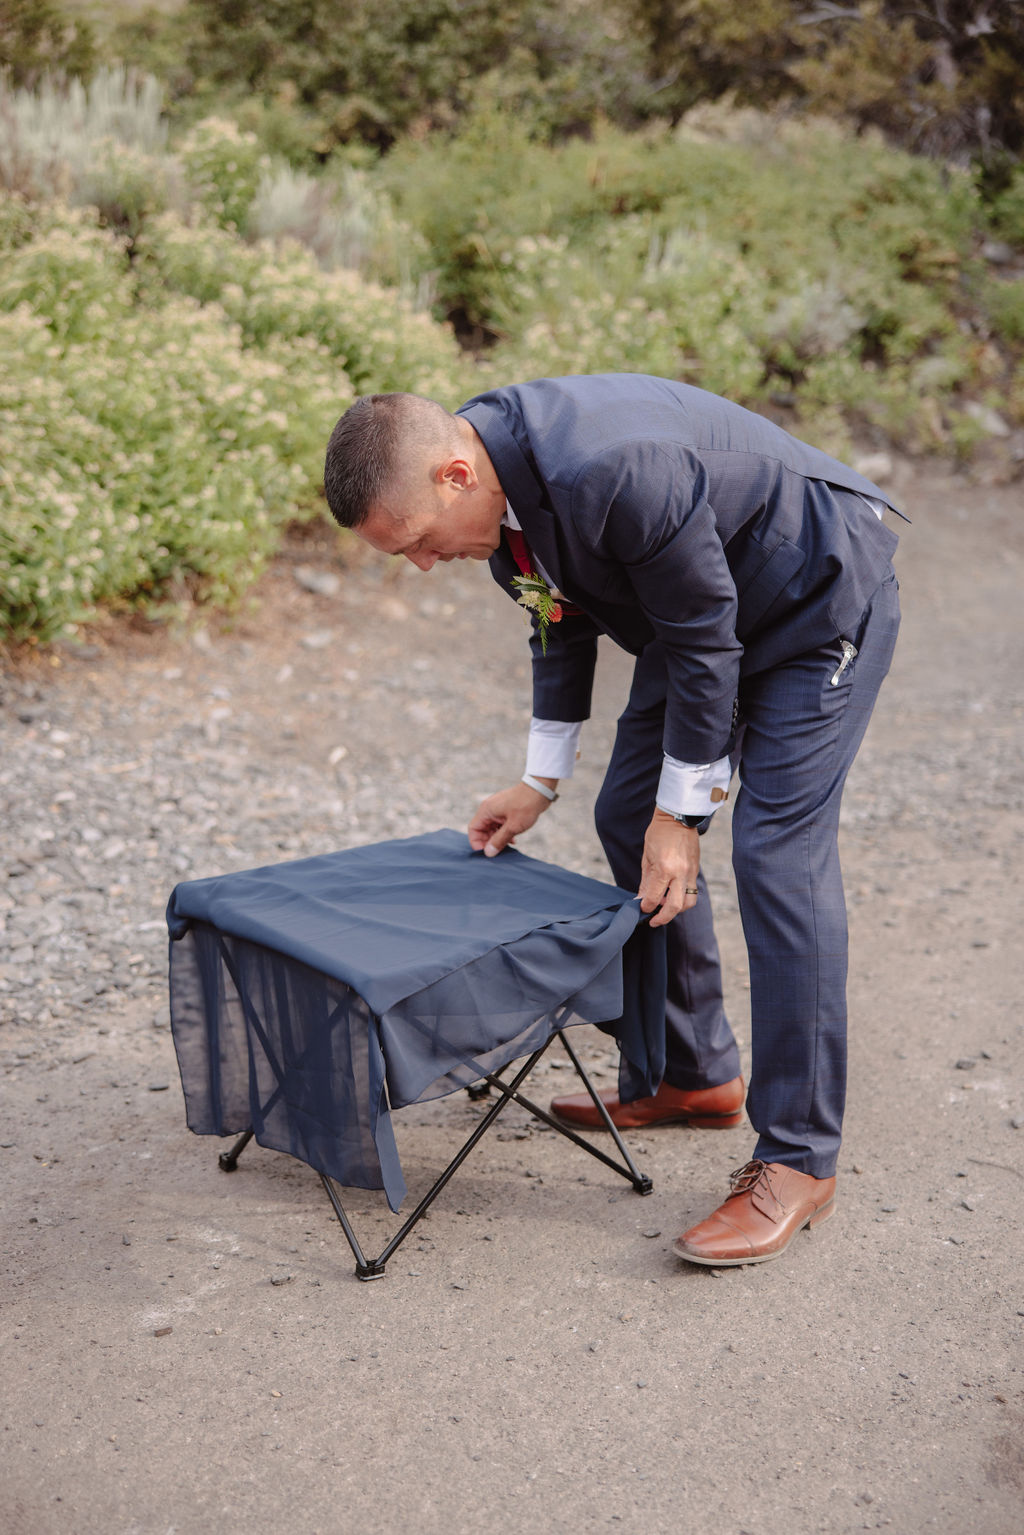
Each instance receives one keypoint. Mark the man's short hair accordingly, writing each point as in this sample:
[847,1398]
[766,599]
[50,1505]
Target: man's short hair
[368,445]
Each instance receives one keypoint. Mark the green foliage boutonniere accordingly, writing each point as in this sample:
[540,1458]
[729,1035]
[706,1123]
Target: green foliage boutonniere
[534,594]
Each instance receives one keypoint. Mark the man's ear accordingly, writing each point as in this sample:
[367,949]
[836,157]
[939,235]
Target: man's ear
[456,474]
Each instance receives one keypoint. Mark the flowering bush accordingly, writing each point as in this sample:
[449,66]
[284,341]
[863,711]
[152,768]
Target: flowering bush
[281,292]
[224,168]
[154,441]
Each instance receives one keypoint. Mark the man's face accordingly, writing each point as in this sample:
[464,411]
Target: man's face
[453,522]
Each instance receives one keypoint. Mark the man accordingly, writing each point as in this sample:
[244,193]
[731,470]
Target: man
[751,576]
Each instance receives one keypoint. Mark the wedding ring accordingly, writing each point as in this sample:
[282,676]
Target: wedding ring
[690,890]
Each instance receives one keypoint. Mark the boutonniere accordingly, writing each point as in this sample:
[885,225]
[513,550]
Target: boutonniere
[535,595]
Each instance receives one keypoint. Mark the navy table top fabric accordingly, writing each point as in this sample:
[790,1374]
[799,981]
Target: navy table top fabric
[309,998]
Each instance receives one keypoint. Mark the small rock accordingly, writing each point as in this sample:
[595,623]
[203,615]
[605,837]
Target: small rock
[279,1279]
[319,639]
[998,252]
[966,1063]
[653,1232]
[393,608]
[1017,1122]
[159,1087]
[990,421]
[324,583]
[161,1332]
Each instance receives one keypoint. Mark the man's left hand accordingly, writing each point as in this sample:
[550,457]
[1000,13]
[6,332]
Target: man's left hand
[671,863]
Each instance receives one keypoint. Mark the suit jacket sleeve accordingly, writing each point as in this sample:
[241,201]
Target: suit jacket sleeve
[563,678]
[643,507]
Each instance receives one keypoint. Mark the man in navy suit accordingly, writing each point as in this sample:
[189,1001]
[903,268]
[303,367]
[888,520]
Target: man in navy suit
[751,576]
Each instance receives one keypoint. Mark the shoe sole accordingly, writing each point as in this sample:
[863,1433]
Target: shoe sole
[700,1122]
[728,1263]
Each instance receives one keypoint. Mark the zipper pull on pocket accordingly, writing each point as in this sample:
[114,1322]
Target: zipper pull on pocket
[849,651]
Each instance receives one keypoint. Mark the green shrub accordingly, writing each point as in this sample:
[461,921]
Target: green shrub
[771,264]
[1007,208]
[1004,301]
[154,440]
[223,167]
[74,275]
[37,36]
[343,219]
[280,293]
[145,451]
[371,70]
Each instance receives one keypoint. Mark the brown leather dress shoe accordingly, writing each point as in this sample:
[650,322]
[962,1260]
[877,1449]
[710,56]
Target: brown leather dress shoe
[703,1108]
[768,1205]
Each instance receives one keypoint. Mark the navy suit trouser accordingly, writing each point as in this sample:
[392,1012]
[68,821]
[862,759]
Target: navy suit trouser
[798,735]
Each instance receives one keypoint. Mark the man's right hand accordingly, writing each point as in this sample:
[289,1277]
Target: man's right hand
[501,817]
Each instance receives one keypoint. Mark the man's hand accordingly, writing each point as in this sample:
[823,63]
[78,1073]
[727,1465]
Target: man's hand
[670,865]
[501,817]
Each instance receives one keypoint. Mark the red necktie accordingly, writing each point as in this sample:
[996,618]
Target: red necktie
[520,552]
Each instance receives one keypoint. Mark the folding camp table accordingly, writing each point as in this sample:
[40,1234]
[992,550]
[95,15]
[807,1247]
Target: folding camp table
[309,999]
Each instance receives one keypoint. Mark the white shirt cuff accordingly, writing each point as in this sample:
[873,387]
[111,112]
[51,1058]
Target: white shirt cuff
[551,749]
[685,787]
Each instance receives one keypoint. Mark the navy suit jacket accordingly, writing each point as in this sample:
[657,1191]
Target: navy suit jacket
[667,513]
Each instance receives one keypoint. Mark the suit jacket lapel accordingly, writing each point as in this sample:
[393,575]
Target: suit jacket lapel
[521,486]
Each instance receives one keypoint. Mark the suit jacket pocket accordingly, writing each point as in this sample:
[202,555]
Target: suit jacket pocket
[760,575]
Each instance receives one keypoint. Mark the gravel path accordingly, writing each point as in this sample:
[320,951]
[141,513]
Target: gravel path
[182,1348]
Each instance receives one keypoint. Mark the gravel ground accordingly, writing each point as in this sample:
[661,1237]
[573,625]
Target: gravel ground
[180,1347]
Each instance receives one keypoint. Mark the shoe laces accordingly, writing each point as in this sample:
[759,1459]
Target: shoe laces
[746,1178]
